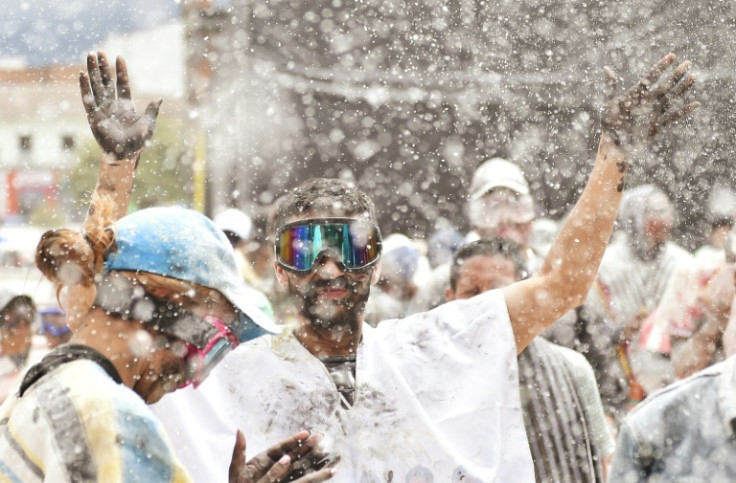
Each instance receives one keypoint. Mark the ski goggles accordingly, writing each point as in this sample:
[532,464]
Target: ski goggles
[355,243]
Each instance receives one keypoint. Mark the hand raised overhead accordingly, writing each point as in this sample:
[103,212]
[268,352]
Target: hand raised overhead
[634,117]
[118,128]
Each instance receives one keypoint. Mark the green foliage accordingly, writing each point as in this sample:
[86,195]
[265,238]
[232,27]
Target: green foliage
[163,176]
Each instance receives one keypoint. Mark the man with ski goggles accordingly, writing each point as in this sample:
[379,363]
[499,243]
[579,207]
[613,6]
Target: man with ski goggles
[436,392]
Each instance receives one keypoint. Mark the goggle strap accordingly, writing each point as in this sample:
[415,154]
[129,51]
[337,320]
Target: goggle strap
[118,297]
[245,329]
[224,331]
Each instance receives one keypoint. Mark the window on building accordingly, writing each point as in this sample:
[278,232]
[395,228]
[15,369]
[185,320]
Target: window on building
[25,142]
[67,143]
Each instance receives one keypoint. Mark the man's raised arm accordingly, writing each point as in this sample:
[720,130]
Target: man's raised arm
[120,131]
[630,120]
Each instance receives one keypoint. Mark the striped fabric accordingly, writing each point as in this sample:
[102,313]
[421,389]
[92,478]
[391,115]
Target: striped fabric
[558,424]
[77,424]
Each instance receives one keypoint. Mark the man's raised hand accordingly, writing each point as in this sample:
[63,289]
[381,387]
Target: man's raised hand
[118,129]
[634,117]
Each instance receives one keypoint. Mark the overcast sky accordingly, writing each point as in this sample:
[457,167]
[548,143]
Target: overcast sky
[62,31]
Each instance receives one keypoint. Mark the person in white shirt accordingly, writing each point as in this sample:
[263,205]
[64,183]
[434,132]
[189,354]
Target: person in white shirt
[20,348]
[438,389]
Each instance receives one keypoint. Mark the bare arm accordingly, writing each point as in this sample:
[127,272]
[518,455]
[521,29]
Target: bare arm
[715,301]
[629,122]
[572,262]
[121,133]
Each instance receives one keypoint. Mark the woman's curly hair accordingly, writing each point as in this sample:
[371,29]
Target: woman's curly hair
[70,257]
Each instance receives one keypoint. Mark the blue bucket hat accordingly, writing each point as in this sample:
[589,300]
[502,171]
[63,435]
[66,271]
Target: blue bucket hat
[186,245]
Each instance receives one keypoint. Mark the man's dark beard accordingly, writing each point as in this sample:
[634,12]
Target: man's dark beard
[333,314]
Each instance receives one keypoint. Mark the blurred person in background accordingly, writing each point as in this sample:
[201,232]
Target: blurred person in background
[237,228]
[636,268]
[544,231]
[721,213]
[563,415]
[391,295]
[54,328]
[442,245]
[259,251]
[635,271]
[631,280]
[500,205]
[713,250]
[685,332]
[20,348]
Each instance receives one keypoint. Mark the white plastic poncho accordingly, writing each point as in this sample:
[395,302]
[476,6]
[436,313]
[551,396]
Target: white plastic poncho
[437,391]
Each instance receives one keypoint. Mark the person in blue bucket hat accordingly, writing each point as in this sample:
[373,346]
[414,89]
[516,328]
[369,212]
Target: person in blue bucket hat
[157,302]
[53,326]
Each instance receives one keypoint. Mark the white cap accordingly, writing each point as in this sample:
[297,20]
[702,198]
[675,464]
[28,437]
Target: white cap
[396,241]
[235,221]
[497,173]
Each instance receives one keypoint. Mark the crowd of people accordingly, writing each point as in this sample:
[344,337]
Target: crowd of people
[524,350]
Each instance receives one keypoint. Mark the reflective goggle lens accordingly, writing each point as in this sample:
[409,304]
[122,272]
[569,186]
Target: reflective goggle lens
[356,243]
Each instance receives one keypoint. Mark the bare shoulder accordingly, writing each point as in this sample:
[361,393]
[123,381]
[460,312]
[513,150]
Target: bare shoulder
[532,306]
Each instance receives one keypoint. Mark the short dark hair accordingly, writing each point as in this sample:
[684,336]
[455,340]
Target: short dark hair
[488,247]
[322,194]
[723,220]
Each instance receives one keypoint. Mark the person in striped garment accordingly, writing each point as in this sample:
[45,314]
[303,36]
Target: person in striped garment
[635,271]
[630,283]
[563,414]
